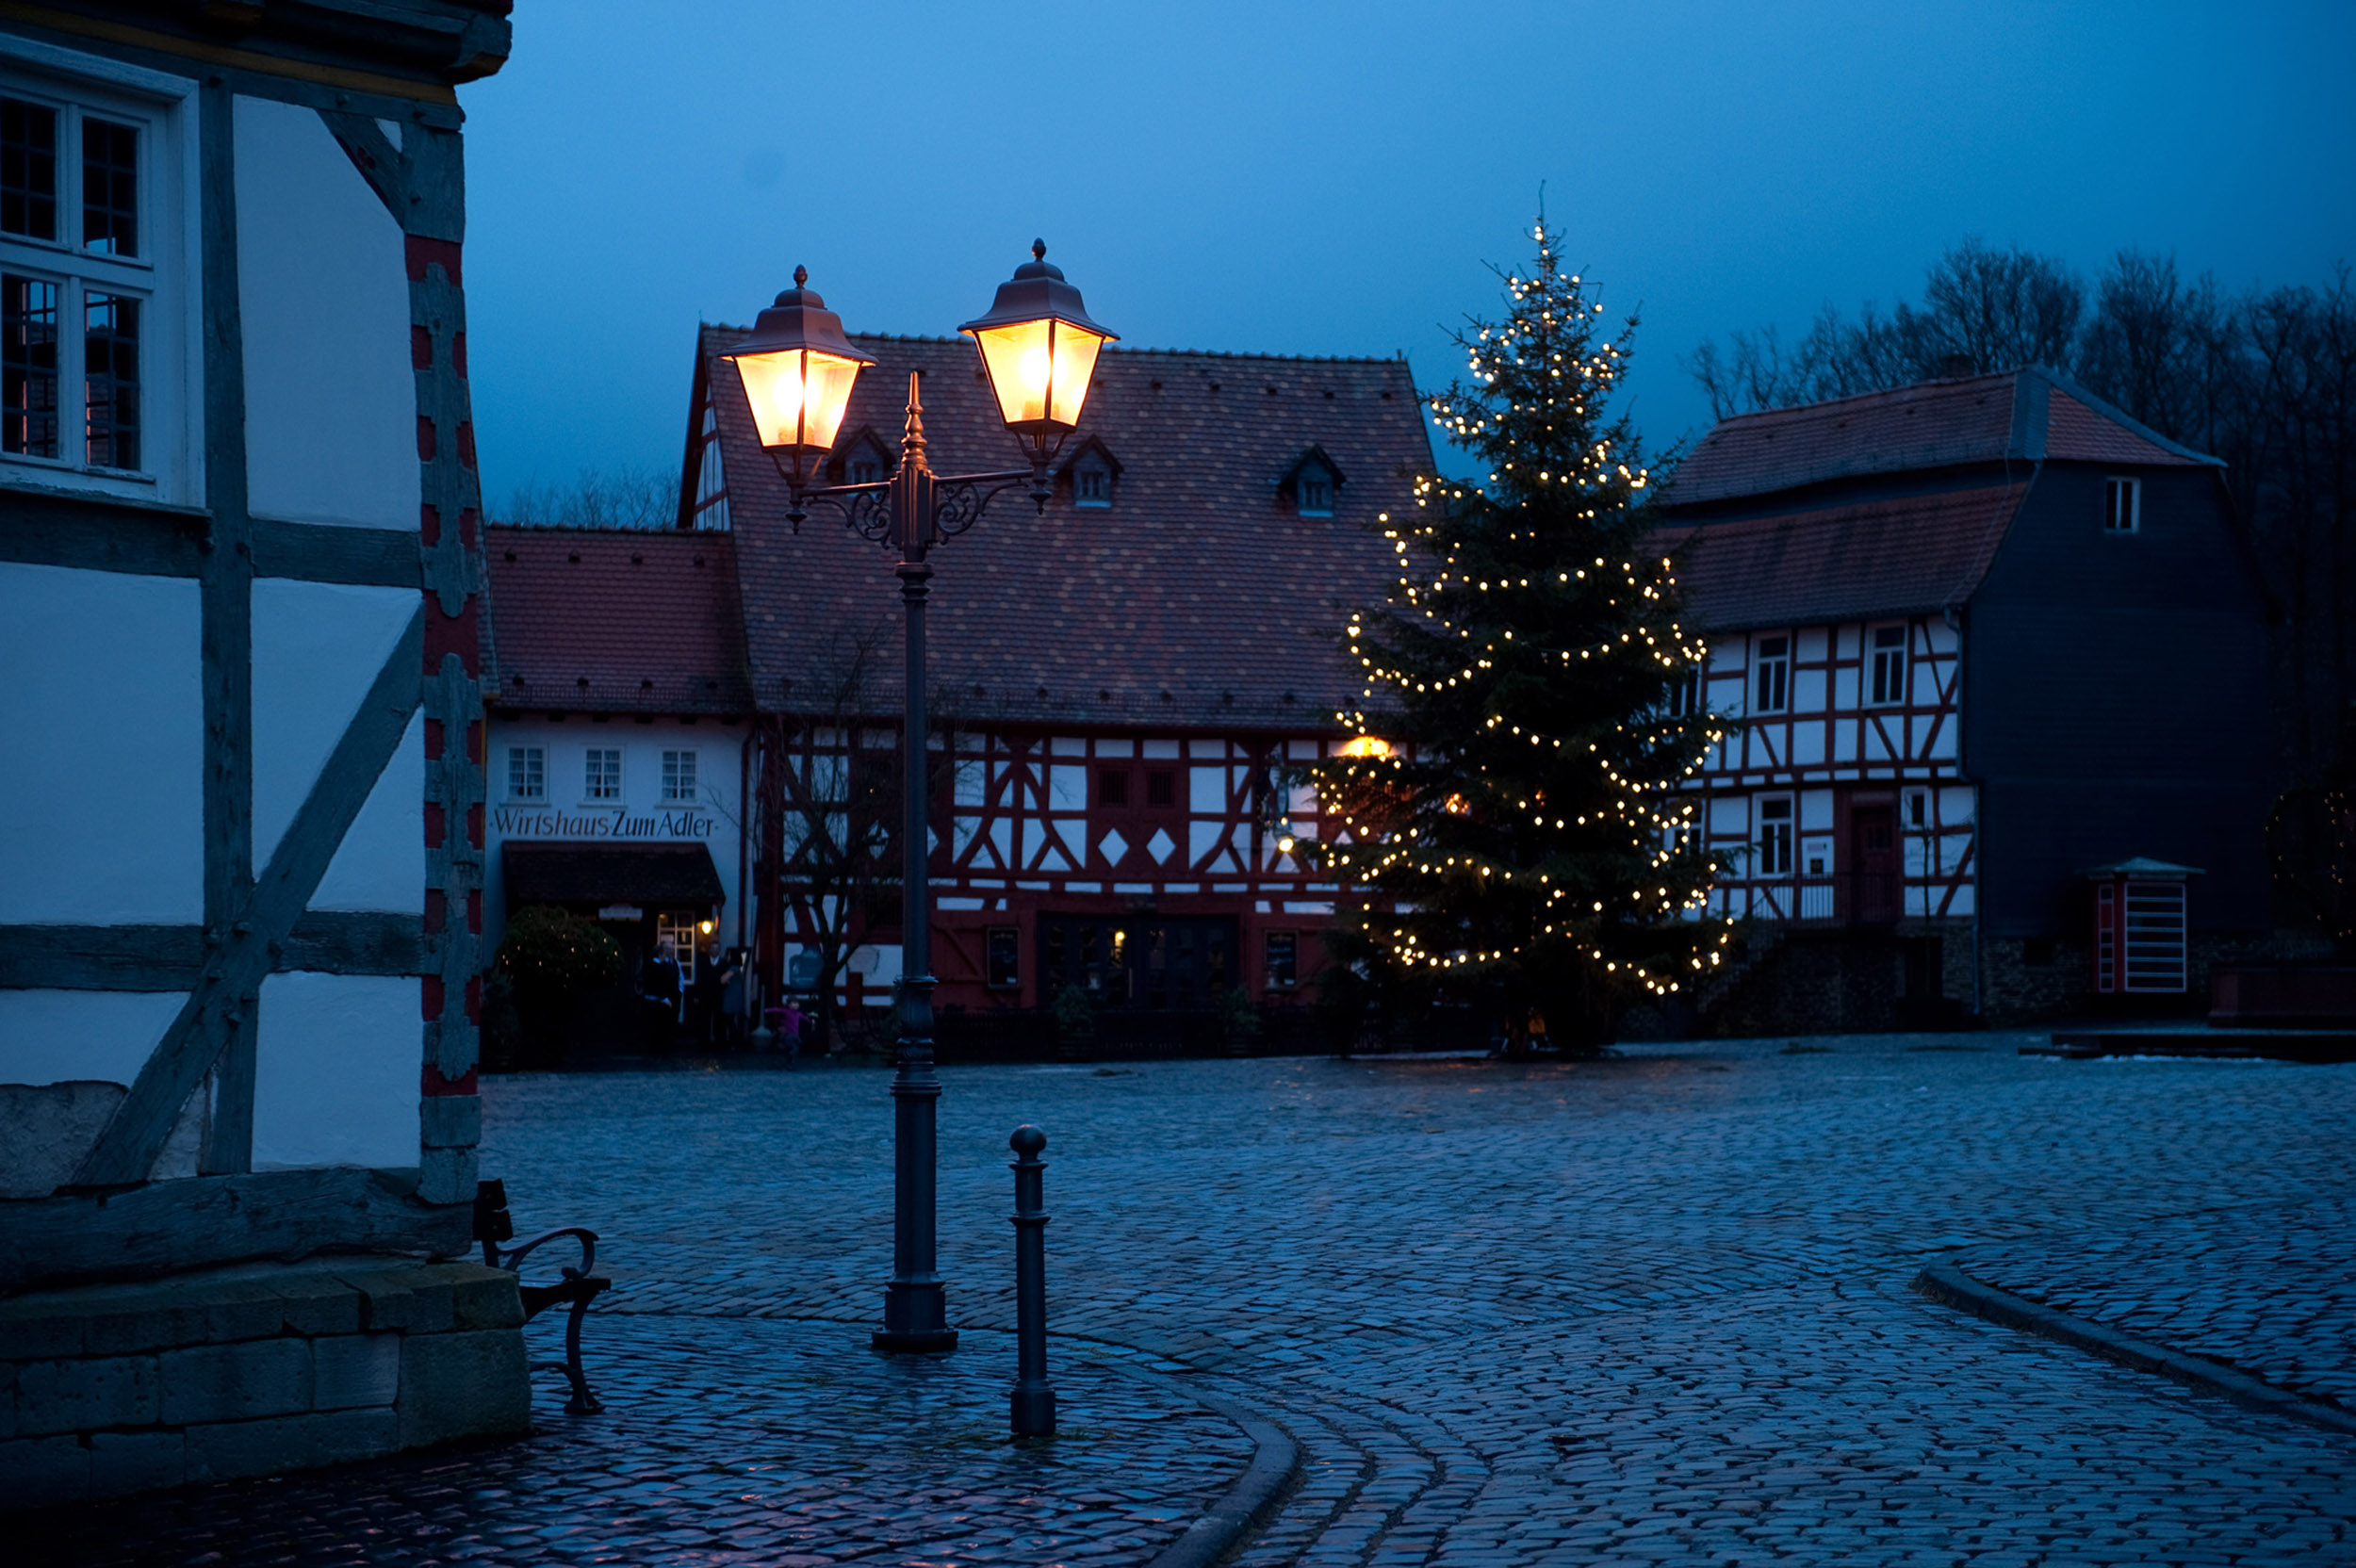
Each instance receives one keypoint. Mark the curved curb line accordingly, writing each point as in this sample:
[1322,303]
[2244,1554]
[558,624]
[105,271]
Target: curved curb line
[1950,1286]
[1245,1505]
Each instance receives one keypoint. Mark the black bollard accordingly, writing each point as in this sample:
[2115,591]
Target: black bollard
[1032,1400]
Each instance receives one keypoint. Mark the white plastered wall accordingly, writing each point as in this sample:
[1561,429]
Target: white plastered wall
[317,647]
[335,1072]
[60,1036]
[323,289]
[101,711]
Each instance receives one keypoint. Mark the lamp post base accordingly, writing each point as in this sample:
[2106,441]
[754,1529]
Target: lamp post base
[916,1320]
[913,1342]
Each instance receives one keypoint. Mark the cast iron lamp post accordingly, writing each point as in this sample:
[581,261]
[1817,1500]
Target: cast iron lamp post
[1038,348]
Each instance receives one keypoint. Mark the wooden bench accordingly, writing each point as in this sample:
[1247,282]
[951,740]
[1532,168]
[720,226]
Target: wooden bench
[576,1287]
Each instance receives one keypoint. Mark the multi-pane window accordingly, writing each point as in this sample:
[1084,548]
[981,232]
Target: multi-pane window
[2122,505]
[1004,951]
[1771,675]
[865,470]
[1161,787]
[1317,493]
[1092,486]
[604,773]
[76,284]
[1685,693]
[526,772]
[1888,675]
[1112,787]
[1284,959]
[1775,836]
[679,776]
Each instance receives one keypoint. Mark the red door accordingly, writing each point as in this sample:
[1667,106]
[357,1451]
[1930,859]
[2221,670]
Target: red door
[1873,852]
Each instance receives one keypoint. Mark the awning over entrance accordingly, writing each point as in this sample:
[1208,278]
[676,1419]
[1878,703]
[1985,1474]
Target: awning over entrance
[669,875]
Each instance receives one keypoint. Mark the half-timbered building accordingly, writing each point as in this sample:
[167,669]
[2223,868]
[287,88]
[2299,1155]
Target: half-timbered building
[1120,683]
[241,793]
[1978,641]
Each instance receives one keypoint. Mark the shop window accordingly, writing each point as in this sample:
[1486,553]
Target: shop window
[678,777]
[1890,664]
[1004,953]
[604,773]
[526,772]
[1771,675]
[1284,961]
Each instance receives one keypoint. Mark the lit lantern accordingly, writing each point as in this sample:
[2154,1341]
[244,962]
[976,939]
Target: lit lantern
[1039,348]
[797,368]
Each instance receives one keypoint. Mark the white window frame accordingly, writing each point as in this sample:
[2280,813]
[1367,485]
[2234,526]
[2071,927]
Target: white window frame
[2114,487]
[1892,695]
[592,775]
[1761,662]
[1774,844]
[166,278]
[1081,475]
[528,774]
[1324,480]
[680,776]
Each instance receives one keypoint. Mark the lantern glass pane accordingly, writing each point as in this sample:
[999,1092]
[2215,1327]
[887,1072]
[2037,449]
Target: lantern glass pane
[826,394]
[772,385]
[1019,364]
[1075,362]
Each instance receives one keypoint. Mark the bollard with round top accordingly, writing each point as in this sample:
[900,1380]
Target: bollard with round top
[1033,1402]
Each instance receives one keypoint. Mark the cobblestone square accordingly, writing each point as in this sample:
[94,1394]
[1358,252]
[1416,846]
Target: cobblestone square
[1653,1309]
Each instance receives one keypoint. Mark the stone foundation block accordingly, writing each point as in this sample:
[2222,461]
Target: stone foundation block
[240,1449]
[467,1384]
[355,1369]
[35,1331]
[236,1382]
[35,1472]
[135,1461]
[78,1396]
[484,1297]
[446,1176]
[408,1301]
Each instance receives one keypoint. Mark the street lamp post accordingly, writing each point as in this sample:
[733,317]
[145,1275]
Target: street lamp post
[1039,349]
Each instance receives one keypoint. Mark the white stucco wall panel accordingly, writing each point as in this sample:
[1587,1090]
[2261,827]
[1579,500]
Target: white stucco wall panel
[331,397]
[335,1072]
[316,650]
[103,767]
[381,863]
[58,1037]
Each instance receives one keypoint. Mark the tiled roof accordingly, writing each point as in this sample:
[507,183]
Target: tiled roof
[1195,599]
[2024,414]
[1912,555]
[619,620]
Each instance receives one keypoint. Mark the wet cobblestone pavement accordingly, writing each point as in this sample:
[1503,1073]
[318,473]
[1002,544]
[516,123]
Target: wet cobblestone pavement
[728,1441]
[2269,1290]
[1652,1310]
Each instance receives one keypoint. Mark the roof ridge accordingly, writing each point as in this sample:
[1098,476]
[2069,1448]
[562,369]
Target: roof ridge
[1116,349]
[2120,416]
[1879,392]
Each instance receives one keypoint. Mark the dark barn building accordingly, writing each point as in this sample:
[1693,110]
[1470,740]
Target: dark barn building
[1999,662]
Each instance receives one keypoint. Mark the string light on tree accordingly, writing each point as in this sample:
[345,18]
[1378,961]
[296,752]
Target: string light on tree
[1520,827]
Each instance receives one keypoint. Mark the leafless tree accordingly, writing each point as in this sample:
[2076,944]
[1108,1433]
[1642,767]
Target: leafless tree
[622,497]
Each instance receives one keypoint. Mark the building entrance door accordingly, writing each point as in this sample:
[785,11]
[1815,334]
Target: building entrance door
[1873,852]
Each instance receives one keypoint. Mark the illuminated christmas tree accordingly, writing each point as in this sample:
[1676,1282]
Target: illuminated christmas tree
[1510,811]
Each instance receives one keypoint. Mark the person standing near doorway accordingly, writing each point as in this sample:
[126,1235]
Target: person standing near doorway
[663,995]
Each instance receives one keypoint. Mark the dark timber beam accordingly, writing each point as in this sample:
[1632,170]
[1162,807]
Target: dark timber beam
[171,957]
[101,533]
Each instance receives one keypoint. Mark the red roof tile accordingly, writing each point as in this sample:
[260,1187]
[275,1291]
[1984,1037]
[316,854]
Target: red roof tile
[1914,555]
[621,620]
[1195,599]
[2024,414]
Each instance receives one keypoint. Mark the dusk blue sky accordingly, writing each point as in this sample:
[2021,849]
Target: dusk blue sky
[1328,179]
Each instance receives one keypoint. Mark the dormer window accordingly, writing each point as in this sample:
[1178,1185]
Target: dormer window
[864,460]
[1094,474]
[1311,484]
